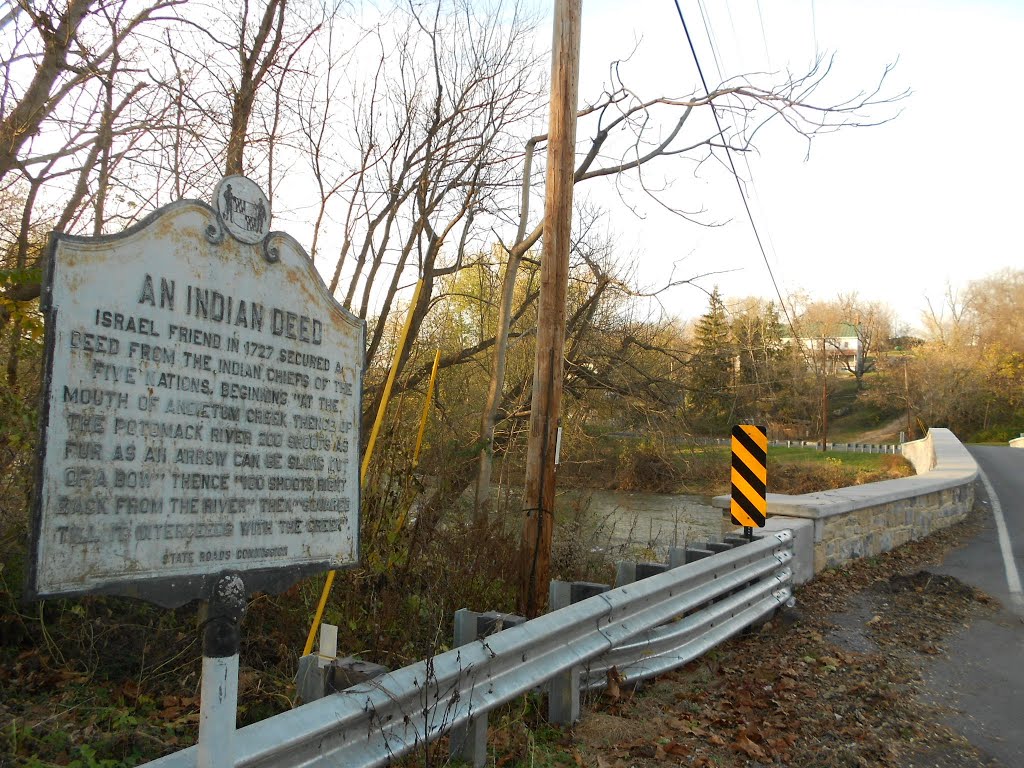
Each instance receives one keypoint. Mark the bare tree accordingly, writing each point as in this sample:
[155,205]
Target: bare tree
[434,137]
[872,324]
[69,129]
[949,322]
[628,133]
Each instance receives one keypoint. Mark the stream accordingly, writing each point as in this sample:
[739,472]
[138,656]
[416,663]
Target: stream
[624,521]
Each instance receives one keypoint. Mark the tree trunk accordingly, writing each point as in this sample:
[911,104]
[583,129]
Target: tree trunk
[482,502]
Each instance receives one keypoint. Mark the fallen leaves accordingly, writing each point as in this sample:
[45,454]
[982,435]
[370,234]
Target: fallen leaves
[795,694]
[748,747]
[613,690]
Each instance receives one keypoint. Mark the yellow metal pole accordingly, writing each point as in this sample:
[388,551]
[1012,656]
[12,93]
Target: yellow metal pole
[419,437]
[390,383]
[311,637]
[426,410]
[319,613]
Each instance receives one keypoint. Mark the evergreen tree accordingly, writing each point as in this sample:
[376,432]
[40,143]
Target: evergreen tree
[712,367]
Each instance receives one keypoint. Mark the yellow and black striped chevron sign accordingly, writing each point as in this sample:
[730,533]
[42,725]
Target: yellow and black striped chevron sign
[749,506]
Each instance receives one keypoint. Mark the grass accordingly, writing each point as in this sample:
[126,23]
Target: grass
[869,461]
[631,465]
[804,470]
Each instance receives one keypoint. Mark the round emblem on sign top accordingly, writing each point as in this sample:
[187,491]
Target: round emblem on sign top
[243,209]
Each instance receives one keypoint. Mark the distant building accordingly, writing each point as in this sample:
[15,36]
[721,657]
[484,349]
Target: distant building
[841,345]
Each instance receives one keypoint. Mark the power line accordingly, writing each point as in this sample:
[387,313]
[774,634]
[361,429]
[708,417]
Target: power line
[814,27]
[732,165]
[720,68]
[764,36]
[711,40]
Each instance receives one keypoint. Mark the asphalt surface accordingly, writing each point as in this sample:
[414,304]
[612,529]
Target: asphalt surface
[981,682]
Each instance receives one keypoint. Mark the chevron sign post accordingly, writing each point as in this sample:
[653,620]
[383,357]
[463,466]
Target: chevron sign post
[749,506]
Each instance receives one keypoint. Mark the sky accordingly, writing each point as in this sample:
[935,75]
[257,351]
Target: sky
[895,213]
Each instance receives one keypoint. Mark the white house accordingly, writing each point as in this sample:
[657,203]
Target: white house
[840,345]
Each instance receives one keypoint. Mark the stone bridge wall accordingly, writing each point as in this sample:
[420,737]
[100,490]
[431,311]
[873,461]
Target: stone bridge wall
[834,527]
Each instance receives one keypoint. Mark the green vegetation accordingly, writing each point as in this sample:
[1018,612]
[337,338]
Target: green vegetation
[854,414]
[644,465]
[815,456]
[804,470]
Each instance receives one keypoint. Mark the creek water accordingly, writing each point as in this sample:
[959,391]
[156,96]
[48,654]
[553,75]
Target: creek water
[628,523]
[624,521]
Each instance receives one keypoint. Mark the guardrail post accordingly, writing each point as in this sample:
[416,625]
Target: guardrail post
[323,673]
[738,541]
[564,689]
[583,590]
[564,698]
[627,572]
[468,742]
[693,554]
[676,557]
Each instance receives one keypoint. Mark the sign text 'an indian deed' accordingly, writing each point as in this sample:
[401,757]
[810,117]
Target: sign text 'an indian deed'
[202,410]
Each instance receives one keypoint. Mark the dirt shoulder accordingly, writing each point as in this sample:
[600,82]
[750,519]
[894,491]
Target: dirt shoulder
[837,682]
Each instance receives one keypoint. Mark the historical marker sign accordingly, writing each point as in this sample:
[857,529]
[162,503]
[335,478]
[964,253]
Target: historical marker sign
[201,408]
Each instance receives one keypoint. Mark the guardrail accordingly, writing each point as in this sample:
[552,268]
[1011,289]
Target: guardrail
[642,629]
[890,448]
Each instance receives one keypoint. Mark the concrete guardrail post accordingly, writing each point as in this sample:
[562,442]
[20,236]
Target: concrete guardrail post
[682,555]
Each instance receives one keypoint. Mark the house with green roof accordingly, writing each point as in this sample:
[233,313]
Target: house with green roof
[839,344]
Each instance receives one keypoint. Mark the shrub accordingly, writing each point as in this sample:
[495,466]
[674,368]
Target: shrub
[646,467]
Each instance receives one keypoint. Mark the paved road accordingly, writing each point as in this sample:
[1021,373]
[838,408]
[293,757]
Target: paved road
[982,680]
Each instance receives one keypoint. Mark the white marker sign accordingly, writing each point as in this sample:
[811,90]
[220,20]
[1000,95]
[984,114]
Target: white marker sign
[201,408]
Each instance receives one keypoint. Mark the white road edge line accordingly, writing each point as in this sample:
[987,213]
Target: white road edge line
[1012,576]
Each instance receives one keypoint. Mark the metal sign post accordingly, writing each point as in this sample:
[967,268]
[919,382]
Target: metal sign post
[219,688]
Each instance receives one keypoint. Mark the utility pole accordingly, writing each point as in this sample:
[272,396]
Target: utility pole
[824,397]
[906,395]
[539,493]
[824,412]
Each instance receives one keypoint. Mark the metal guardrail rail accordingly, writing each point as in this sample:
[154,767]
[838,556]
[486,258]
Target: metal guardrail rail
[891,448]
[643,629]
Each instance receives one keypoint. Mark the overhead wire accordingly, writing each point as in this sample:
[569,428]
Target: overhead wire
[704,14]
[814,27]
[764,35]
[720,66]
[732,165]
